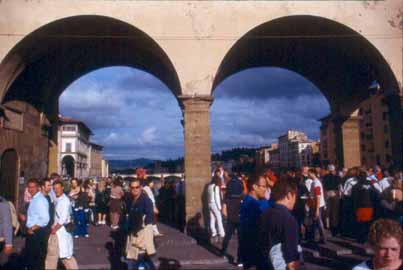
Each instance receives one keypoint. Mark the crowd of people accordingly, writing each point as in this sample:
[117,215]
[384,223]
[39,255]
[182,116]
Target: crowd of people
[55,211]
[274,213]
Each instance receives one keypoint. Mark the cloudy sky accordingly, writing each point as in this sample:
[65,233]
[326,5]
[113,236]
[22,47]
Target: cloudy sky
[132,114]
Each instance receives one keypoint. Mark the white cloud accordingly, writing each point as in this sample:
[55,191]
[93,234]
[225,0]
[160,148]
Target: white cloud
[149,136]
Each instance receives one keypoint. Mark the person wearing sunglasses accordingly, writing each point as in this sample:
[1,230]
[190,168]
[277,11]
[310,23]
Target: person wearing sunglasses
[140,240]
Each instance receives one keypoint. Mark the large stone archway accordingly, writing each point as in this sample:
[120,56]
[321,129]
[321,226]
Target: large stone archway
[69,48]
[338,60]
[195,35]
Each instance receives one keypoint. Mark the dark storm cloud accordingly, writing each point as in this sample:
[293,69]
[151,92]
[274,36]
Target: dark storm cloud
[265,83]
[132,114]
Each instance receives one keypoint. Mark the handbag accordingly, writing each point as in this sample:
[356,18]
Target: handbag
[69,227]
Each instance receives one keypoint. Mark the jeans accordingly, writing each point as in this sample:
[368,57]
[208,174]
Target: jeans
[230,229]
[317,224]
[80,222]
[142,262]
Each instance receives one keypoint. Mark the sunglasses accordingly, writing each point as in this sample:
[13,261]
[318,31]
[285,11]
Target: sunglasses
[136,187]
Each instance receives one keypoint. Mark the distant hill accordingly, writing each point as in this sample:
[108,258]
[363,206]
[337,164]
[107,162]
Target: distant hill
[129,164]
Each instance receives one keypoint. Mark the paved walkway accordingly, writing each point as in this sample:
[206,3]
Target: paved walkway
[179,251]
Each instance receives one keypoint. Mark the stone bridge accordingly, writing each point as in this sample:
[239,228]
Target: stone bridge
[191,46]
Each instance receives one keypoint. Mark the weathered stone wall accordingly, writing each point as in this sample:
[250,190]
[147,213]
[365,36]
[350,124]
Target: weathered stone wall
[351,142]
[196,116]
[96,163]
[30,143]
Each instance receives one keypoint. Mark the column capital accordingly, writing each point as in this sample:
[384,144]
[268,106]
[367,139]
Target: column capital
[195,103]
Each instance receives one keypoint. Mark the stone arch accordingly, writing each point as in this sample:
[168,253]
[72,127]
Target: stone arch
[68,166]
[341,62]
[71,47]
[292,42]
[9,173]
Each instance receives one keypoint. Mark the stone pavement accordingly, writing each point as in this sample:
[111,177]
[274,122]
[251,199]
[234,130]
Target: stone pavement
[179,251]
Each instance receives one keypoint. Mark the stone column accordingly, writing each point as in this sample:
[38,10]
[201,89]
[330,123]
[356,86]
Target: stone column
[196,116]
[53,166]
[351,142]
[338,140]
[347,140]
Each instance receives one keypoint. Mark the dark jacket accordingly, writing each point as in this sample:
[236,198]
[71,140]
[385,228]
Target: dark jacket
[364,195]
[233,198]
[140,209]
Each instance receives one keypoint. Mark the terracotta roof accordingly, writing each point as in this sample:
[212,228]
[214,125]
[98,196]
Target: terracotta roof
[69,120]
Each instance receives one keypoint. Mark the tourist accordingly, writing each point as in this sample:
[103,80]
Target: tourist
[278,234]
[80,203]
[101,202]
[214,205]
[331,186]
[364,199]
[6,232]
[391,205]
[148,189]
[372,176]
[348,215]
[115,203]
[46,188]
[60,244]
[90,211]
[140,240]
[251,208]
[37,220]
[300,209]
[385,237]
[317,207]
[231,208]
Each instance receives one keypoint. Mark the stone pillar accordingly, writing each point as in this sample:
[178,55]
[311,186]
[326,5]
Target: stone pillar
[338,140]
[196,116]
[351,142]
[53,149]
[347,141]
[396,128]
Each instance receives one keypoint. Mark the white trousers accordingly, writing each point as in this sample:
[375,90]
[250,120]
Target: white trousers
[216,217]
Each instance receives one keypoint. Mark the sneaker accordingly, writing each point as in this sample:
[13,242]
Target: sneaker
[76,236]
[87,235]
[240,265]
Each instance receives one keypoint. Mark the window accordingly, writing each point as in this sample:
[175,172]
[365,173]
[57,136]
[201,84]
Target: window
[388,158]
[386,144]
[68,147]
[69,128]
[385,128]
[363,147]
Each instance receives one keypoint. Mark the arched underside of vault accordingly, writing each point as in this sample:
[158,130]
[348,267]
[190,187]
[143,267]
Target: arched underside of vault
[338,60]
[55,55]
